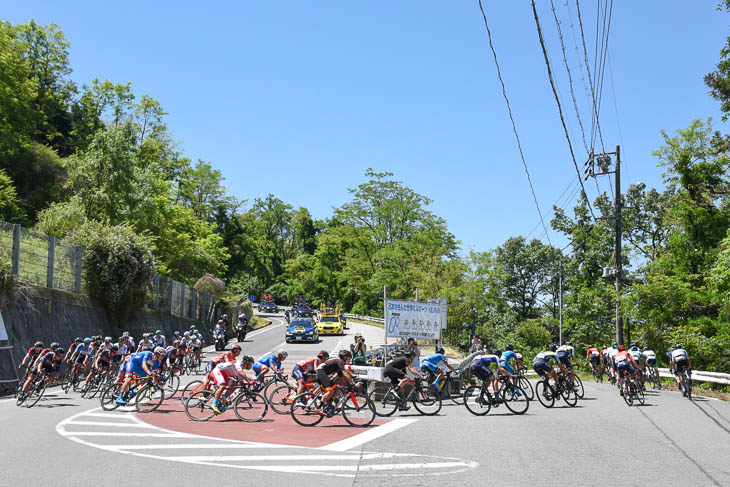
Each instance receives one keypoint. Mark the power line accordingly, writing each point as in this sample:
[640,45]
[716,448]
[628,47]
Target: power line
[618,123]
[570,77]
[557,100]
[514,126]
[595,122]
[568,189]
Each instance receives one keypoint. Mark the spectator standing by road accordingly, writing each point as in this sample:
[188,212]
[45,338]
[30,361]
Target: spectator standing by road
[476,344]
[358,350]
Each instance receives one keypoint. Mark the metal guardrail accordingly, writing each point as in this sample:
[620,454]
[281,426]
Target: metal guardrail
[366,318]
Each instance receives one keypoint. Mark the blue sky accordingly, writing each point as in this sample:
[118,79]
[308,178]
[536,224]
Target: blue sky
[300,98]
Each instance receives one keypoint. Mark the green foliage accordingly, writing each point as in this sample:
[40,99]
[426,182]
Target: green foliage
[119,267]
[9,209]
[63,219]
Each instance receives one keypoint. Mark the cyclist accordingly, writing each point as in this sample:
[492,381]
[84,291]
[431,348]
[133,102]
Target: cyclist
[508,356]
[648,359]
[51,348]
[329,369]
[103,362]
[541,364]
[566,354]
[604,359]
[267,362]
[430,365]
[635,352]
[32,355]
[481,369]
[593,356]
[624,364]
[50,362]
[145,344]
[72,346]
[680,362]
[227,357]
[224,374]
[286,315]
[130,340]
[159,339]
[305,370]
[176,336]
[81,355]
[196,343]
[395,370]
[141,364]
[612,351]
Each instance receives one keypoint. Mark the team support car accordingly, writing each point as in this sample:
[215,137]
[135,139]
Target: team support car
[268,307]
[303,311]
[330,325]
[302,330]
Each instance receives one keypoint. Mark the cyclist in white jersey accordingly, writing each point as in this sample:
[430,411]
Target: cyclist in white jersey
[680,361]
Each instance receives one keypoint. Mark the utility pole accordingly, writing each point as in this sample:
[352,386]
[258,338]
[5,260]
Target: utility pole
[619,318]
[604,165]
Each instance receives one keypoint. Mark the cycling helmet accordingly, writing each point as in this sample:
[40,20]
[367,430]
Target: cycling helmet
[678,345]
[107,339]
[282,353]
[38,344]
[77,339]
[621,348]
[114,348]
[344,354]
[552,347]
[323,355]
[160,351]
[440,350]
[145,335]
[509,347]
[59,351]
[177,333]
[186,334]
[634,345]
[55,345]
[87,341]
[126,334]
[158,332]
[236,348]
[247,359]
[569,344]
[614,344]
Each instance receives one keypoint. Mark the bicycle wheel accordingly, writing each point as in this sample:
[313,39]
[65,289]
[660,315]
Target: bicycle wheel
[578,387]
[526,386]
[628,396]
[357,409]
[384,400]
[477,401]
[568,393]
[306,409]
[97,386]
[67,381]
[515,398]
[108,398]
[688,387]
[544,394]
[188,390]
[36,393]
[277,399]
[172,384]
[453,392]
[149,398]
[639,394]
[197,407]
[426,399]
[250,407]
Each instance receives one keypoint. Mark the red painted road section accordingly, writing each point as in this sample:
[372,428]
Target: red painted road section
[274,428]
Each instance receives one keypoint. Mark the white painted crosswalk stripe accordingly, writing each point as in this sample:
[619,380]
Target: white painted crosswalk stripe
[332,460]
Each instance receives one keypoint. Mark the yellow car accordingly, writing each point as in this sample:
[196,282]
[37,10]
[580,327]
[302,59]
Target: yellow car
[330,325]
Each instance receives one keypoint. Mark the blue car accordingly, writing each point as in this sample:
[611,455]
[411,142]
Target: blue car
[302,330]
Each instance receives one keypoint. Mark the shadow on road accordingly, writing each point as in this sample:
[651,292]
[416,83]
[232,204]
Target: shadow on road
[727,430]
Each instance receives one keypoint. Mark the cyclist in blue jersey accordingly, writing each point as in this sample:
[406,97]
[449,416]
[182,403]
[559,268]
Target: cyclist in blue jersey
[269,362]
[481,368]
[431,365]
[566,354]
[541,364]
[141,364]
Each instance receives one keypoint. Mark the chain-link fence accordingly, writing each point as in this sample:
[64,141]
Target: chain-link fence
[45,261]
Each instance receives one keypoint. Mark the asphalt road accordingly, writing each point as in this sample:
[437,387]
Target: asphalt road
[66,440]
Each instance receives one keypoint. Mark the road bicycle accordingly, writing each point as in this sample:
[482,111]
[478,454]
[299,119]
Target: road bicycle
[577,385]
[653,377]
[685,388]
[524,383]
[148,394]
[386,398]
[34,392]
[478,400]
[307,408]
[248,405]
[451,388]
[633,391]
[192,364]
[597,372]
[171,381]
[547,394]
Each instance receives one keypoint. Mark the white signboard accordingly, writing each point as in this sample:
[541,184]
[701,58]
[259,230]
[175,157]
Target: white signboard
[404,319]
[444,306]
[3,333]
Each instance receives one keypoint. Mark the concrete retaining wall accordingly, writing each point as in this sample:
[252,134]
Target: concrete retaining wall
[52,315]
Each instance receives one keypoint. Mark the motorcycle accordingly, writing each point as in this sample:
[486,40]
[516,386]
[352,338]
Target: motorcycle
[242,329]
[219,336]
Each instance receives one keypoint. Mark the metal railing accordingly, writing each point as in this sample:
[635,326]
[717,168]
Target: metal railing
[46,261]
[366,318]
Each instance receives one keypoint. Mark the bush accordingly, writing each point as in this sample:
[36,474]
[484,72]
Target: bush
[119,268]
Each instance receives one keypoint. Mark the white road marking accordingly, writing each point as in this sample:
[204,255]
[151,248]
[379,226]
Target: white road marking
[345,464]
[369,435]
